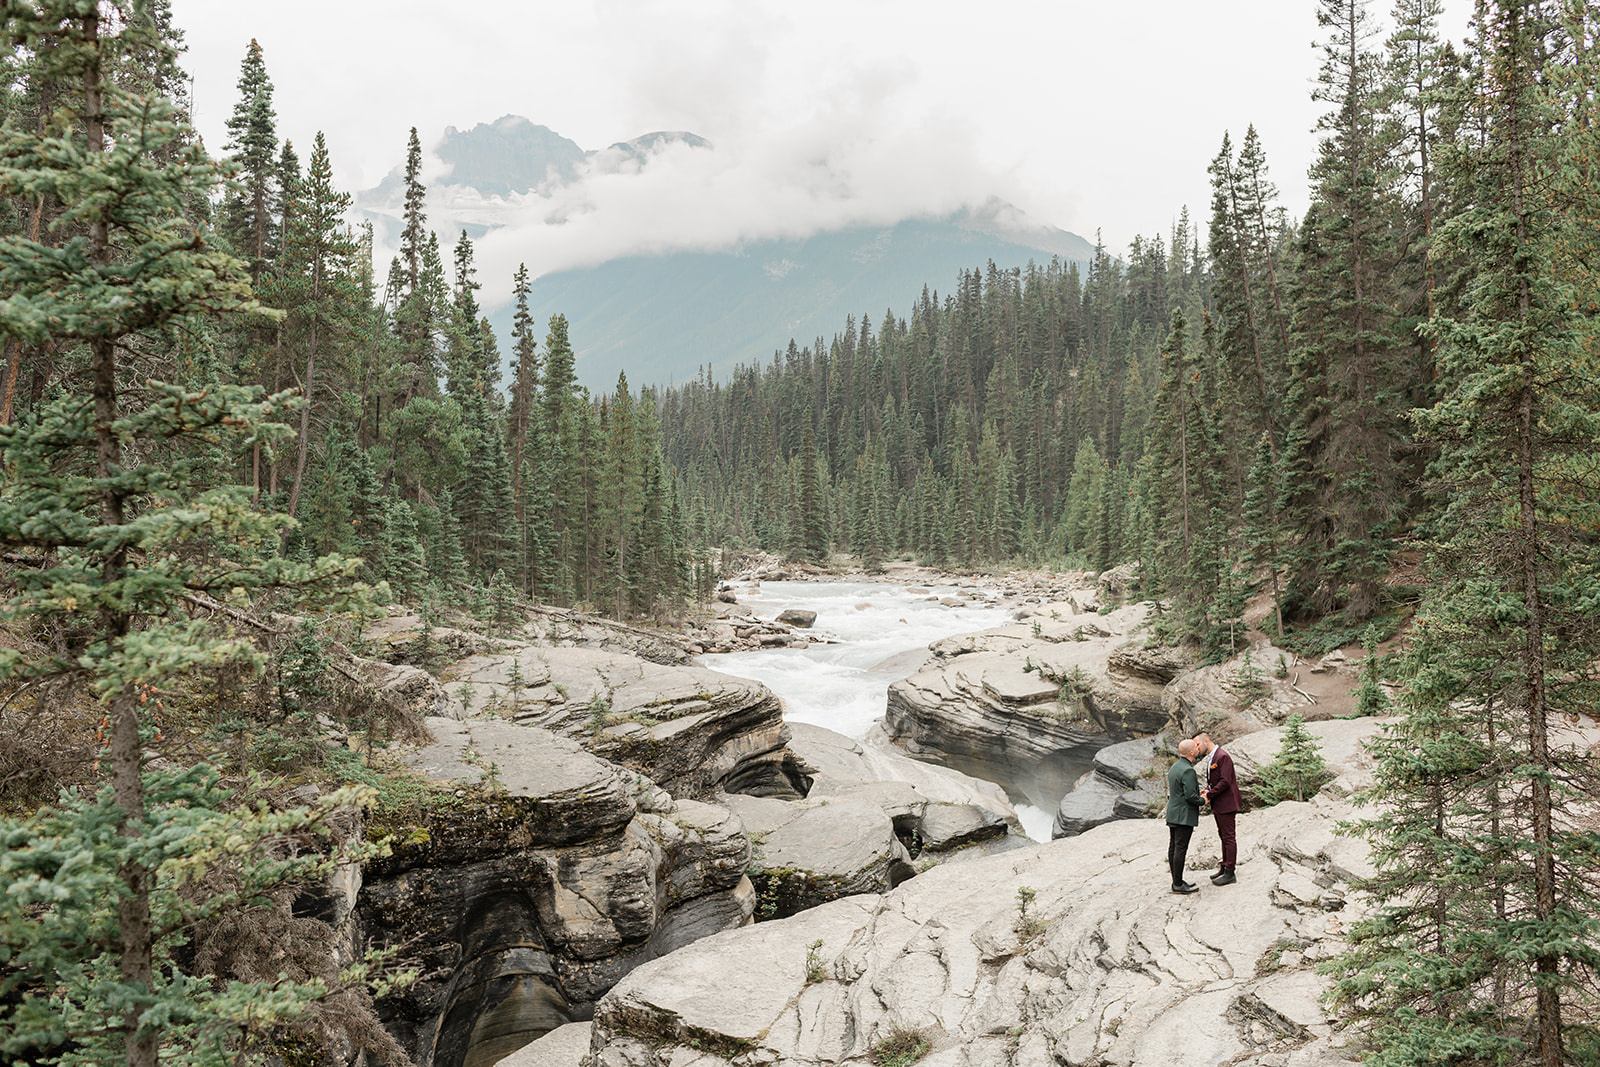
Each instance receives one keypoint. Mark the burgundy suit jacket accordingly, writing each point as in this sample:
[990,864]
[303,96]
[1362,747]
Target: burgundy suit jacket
[1223,783]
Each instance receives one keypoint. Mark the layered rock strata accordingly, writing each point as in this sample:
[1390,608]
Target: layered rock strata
[527,892]
[692,731]
[1107,966]
[871,816]
[1028,705]
[1124,784]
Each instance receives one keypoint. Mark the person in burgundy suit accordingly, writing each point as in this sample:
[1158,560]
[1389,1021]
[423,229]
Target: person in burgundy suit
[1222,790]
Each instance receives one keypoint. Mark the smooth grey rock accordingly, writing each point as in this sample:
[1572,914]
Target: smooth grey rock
[565,1046]
[1086,807]
[1025,696]
[691,730]
[797,617]
[532,787]
[807,852]
[1128,762]
[709,994]
[948,826]
[1148,800]
[1232,698]
[1159,663]
[1123,973]
[703,847]
[876,771]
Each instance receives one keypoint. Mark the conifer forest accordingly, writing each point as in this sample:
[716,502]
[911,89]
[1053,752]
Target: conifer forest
[229,435]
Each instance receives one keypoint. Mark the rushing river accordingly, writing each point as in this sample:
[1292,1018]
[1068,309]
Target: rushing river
[883,631]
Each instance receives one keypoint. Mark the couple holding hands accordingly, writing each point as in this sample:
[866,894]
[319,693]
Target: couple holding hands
[1200,758]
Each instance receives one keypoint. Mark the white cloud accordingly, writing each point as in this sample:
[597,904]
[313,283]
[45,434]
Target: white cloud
[827,112]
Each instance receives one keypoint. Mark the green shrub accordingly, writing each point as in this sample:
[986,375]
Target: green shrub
[901,1047]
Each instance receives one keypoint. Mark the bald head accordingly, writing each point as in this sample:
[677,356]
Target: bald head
[1186,748]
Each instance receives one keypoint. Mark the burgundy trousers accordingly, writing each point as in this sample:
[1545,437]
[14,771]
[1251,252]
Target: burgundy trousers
[1230,844]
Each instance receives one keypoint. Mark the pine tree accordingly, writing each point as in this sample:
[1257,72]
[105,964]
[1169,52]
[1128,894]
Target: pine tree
[319,287]
[1370,697]
[1297,771]
[464,365]
[811,527]
[124,537]
[253,139]
[1507,618]
[1349,491]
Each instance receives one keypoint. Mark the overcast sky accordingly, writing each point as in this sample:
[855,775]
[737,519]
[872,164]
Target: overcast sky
[1086,115]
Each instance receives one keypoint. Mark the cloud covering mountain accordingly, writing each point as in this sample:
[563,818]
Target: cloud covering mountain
[710,255]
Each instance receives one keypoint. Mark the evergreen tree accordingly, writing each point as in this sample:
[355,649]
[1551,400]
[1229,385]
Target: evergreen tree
[319,288]
[1297,771]
[123,537]
[1348,493]
[811,525]
[1507,617]
[253,139]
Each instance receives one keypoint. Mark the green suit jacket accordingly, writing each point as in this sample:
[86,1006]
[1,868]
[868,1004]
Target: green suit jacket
[1183,794]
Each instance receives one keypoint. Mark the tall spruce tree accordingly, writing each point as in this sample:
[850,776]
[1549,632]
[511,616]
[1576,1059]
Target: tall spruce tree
[253,140]
[124,529]
[1507,617]
[1349,381]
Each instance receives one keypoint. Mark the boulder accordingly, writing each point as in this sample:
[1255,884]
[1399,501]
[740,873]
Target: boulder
[797,617]
[532,878]
[1086,806]
[1130,762]
[1252,691]
[1036,698]
[1118,585]
[808,852]
[1117,970]
[1121,786]
[905,789]
[691,730]
[410,691]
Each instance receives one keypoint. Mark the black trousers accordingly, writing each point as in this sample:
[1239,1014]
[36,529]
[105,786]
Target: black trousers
[1178,850]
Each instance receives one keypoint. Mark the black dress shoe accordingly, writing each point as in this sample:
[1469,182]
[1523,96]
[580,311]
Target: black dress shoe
[1224,877]
[1186,887]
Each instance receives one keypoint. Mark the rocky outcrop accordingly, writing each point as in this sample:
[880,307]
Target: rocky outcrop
[797,617]
[738,629]
[1252,691]
[533,878]
[808,852]
[1115,970]
[1125,784]
[1036,694]
[1340,742]
[692,731]
[907,790]
[872,812]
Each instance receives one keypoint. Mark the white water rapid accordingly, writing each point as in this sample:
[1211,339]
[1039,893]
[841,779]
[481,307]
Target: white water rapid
[884,632]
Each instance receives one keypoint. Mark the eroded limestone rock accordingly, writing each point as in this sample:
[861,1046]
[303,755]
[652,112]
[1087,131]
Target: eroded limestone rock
[537,878]
[1009,701]
[1122,971]
[691,730]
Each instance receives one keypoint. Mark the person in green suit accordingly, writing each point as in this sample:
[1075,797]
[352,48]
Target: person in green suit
[1183,813]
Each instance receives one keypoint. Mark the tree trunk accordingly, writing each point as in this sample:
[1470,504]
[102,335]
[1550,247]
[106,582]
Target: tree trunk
[308,386]
[133,909]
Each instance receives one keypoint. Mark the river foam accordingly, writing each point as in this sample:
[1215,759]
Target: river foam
[884,631]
